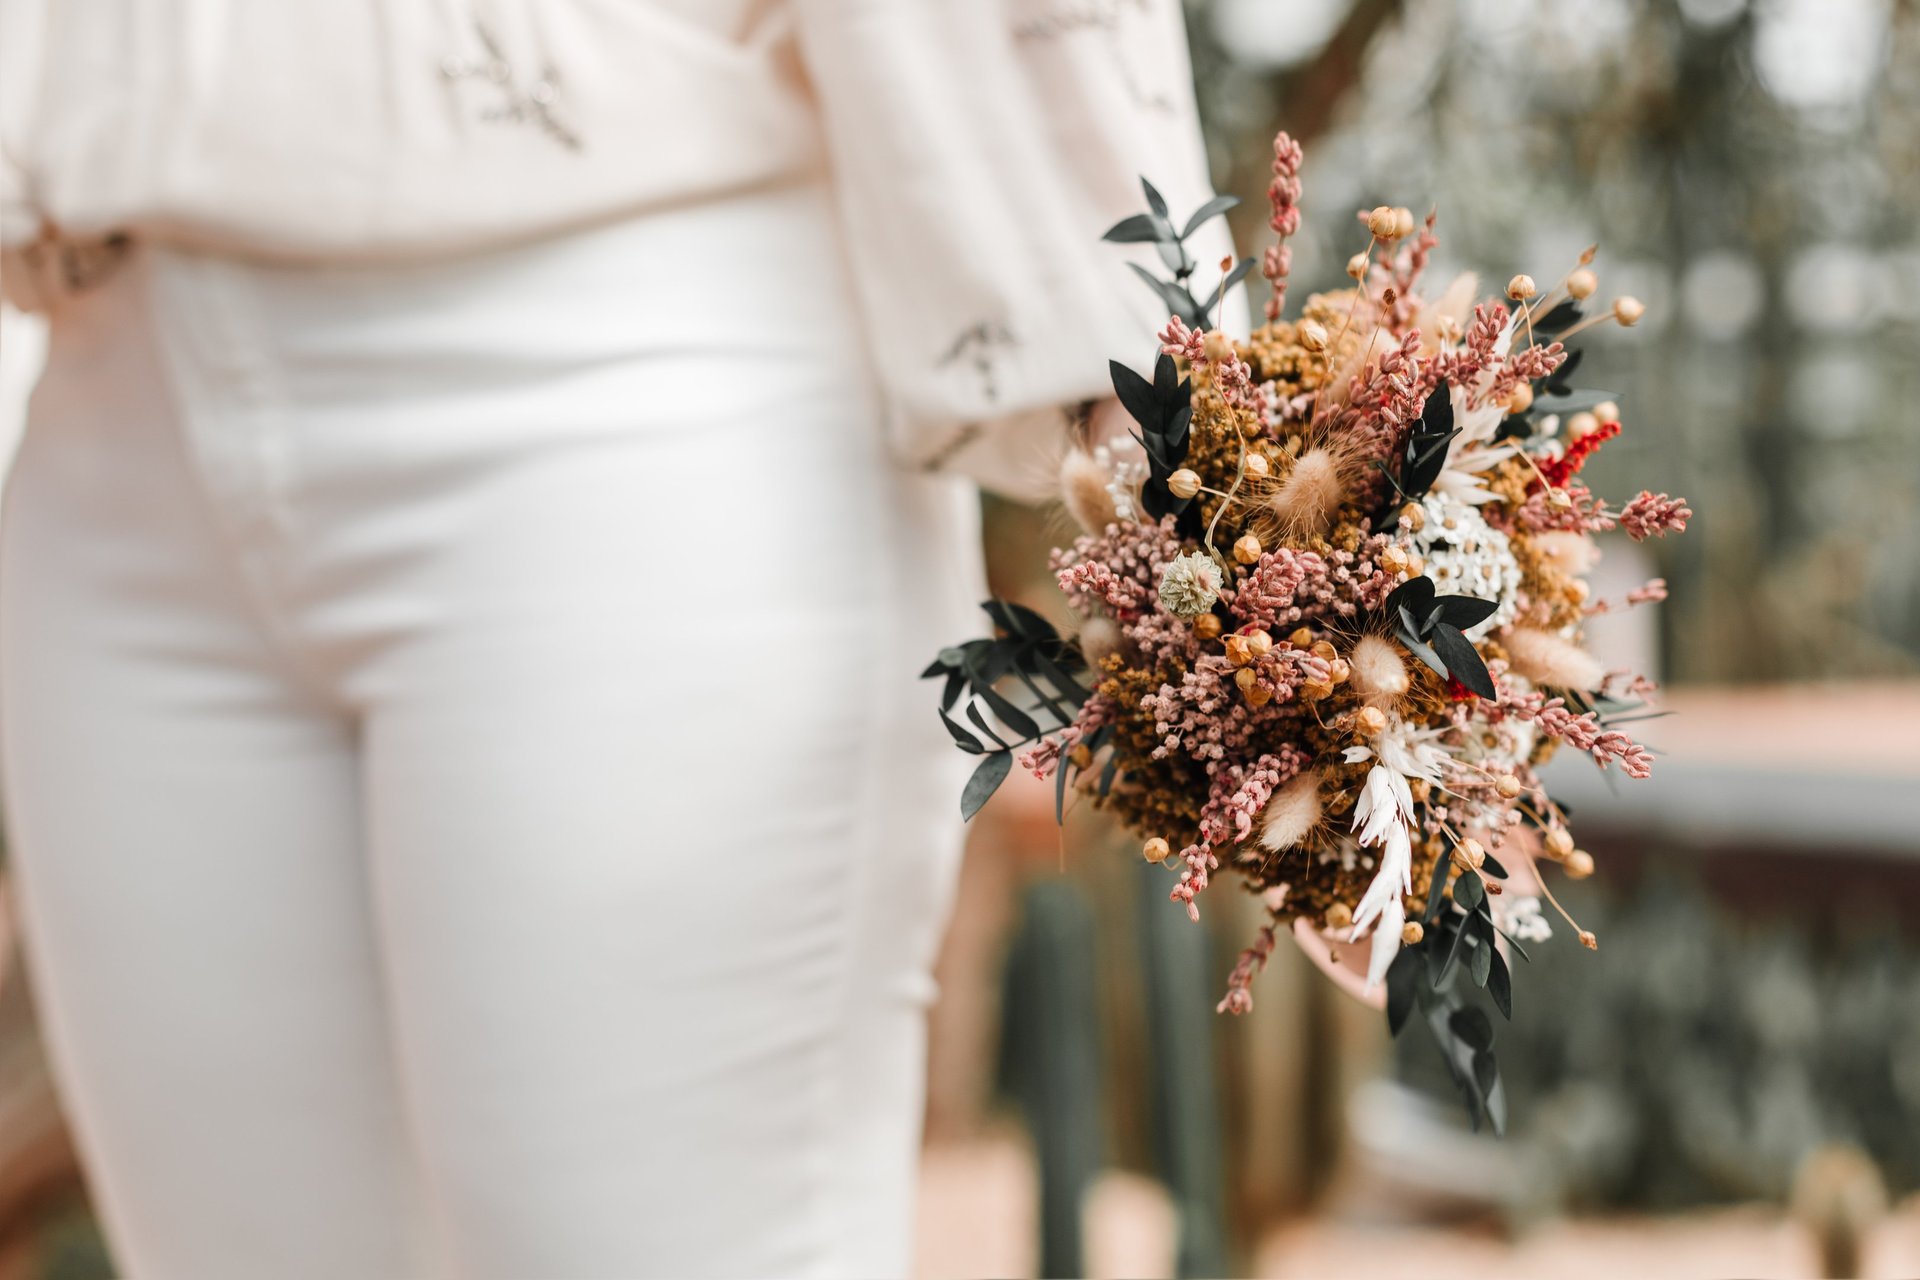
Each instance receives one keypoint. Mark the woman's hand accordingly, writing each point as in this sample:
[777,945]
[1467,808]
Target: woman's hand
[1107,421]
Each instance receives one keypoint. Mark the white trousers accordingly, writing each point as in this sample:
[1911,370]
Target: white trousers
[473,808]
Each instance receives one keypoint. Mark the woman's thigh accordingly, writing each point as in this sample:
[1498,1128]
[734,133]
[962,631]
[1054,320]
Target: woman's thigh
[660,823]
[661,853]
[183,822]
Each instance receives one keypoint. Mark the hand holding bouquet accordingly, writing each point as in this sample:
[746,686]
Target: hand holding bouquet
[1330,598]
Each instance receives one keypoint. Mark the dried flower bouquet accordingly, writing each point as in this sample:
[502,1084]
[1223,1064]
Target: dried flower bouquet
[1330,599]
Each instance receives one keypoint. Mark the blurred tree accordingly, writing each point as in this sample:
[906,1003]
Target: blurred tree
[1746,169]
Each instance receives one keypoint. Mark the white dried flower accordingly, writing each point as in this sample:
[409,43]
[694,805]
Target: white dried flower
[1465,556]
[1190,585]
[1126,463]
[1521,917]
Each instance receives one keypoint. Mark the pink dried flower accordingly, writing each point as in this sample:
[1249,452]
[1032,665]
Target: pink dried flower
[1233,377]
[1045,755]
[1283,194]
[1528,363]
[1178,340]
[1583,513]
[1139,553]
[1269,596]
[1654,514]
[1091,578]
[1582,732]
[1653,592]
[1404,273]
[1463,367]
[1234,800]
[1239,997]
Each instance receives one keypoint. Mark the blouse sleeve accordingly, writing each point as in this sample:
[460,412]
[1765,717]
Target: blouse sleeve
[979,149]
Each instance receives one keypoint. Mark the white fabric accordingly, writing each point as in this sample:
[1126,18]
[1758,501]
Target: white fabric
[473,810]
[978,149]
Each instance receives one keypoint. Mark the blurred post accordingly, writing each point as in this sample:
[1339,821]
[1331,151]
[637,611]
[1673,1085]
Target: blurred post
[1050,1060]
[1177,974]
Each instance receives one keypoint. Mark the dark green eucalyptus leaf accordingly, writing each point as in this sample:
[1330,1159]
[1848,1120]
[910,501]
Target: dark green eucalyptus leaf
[1436,414]
[1415,595]
[1573,401]
[1486,1073]
[1421,650]
[1172,295]
[1155,201]
[1060,792]
[1166,378]
[961,738]
[993,664]
[980,722]
[1494,867]
[1178,431]
[1466,611]
[1499,985]
[1426,459]
[1462,942]
[1457,1056]
[1173,255]
[1472,1028]
[1033,625]
[1495,1098]
[1469,893]
[1047,702]
[1162,463]
[986,779]
[1403,980]
[1515,426]
[956,685]
[1438,949]
[1564,316]
[1010,715]
[1156,499]
[1070,689]
[1462,659]
[1136,229]
[1518,949]
[1480,964]
[1136,395]
[1557,383]
[1211,209]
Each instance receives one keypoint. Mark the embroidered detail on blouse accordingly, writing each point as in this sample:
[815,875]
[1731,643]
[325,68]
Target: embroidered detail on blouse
[535,104]
[1105,17]
[981,341]
[963,436]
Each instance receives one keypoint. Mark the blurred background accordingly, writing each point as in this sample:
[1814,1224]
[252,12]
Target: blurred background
[1731,1085]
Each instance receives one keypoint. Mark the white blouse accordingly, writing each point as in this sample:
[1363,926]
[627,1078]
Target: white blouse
[978,148]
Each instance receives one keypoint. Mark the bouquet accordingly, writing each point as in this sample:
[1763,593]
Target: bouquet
[1329,599]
